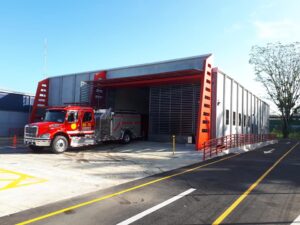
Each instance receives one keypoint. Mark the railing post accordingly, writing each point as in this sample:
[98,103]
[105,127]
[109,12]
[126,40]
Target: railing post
[204,151]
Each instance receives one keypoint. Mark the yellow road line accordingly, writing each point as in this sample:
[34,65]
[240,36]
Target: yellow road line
[230,209]
[121,192]
[17,182]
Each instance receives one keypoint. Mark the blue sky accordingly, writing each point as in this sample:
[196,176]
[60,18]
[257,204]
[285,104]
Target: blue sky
[91,35]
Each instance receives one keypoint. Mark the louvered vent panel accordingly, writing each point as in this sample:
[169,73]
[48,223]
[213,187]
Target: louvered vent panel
[85,93]
[173,109]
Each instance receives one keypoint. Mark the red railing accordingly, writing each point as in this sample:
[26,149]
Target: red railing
[215,146]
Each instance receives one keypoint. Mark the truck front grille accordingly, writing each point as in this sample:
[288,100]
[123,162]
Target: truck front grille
[31,131]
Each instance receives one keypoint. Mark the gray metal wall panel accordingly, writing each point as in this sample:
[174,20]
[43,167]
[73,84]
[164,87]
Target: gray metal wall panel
[91,76]
[240,110]
[163,67]
[65,89]
[227,100]
[54,91]
[234,108]
[237,99]
[12,120]
[78,79]
[68,89]
[245,108]
[220,103]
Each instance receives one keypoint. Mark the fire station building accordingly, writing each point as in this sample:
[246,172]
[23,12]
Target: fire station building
[187,97]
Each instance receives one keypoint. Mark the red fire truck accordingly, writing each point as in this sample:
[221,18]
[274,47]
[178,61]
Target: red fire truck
[76,126]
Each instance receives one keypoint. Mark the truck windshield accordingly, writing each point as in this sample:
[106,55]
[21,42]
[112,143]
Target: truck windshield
[55,116]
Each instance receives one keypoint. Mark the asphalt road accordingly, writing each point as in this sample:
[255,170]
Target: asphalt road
[258,187]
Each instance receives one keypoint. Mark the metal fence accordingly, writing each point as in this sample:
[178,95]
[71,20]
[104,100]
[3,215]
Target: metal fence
[215,146]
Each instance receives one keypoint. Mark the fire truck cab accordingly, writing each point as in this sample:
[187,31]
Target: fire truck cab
[76,126]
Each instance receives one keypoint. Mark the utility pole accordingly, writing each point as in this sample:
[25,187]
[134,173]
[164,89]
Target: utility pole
[45,57]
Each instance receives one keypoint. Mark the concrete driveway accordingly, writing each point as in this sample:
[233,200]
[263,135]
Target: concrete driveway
[28,180]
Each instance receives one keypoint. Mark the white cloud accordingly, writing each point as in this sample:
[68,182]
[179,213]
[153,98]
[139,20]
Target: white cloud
[277,30]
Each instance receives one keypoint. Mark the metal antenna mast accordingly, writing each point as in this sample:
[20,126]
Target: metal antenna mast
[45,57]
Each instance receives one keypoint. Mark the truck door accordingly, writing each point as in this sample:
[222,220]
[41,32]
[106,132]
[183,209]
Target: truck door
[88,122]
[72,123]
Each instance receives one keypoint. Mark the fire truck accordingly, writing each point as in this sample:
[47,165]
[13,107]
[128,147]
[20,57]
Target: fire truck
[77,126]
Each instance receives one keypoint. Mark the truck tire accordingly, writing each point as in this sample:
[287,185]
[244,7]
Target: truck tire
[35,148]
[126,138]
[59,144]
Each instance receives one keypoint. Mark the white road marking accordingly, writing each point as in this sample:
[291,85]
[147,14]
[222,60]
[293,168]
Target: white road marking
[296,221]
[269,151]
[157,207]
[125,150]
[288,143]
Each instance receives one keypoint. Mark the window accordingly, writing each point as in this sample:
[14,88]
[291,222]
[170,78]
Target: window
[233,118]
[55,116]
[240,119]
[87,117]
[245,118]
[72,117]
[27,100]
[249,120]
[227,117]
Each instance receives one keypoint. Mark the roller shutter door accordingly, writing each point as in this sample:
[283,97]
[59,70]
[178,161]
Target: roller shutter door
[174,109]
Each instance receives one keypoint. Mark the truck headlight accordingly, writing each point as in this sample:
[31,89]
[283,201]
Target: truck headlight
[45,136]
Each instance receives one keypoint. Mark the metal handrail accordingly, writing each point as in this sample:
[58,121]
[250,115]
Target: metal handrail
[215,146]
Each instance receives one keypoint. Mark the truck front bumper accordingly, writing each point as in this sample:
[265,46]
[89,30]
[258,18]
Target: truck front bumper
[37,142]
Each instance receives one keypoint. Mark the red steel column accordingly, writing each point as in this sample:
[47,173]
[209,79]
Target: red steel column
[40,100]
[205,105]
[98,93]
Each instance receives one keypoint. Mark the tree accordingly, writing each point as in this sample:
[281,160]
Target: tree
[277,67]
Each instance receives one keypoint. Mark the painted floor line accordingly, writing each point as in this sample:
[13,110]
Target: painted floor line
[60,211]
[17,179]
[242,197]
[155,208]
[269,151]
[296,221]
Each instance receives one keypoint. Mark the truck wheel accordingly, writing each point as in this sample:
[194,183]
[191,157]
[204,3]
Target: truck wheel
[126,138]
[35,148]
[59,144]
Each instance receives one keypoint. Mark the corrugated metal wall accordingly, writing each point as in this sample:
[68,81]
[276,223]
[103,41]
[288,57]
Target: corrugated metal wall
[66,89]
[238,111]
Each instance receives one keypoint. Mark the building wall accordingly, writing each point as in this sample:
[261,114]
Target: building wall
[238,111]
[246,113]
[14,112]
[66,89]
[12,123]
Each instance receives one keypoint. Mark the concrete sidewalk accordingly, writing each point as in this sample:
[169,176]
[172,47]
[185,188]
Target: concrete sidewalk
[45,178]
